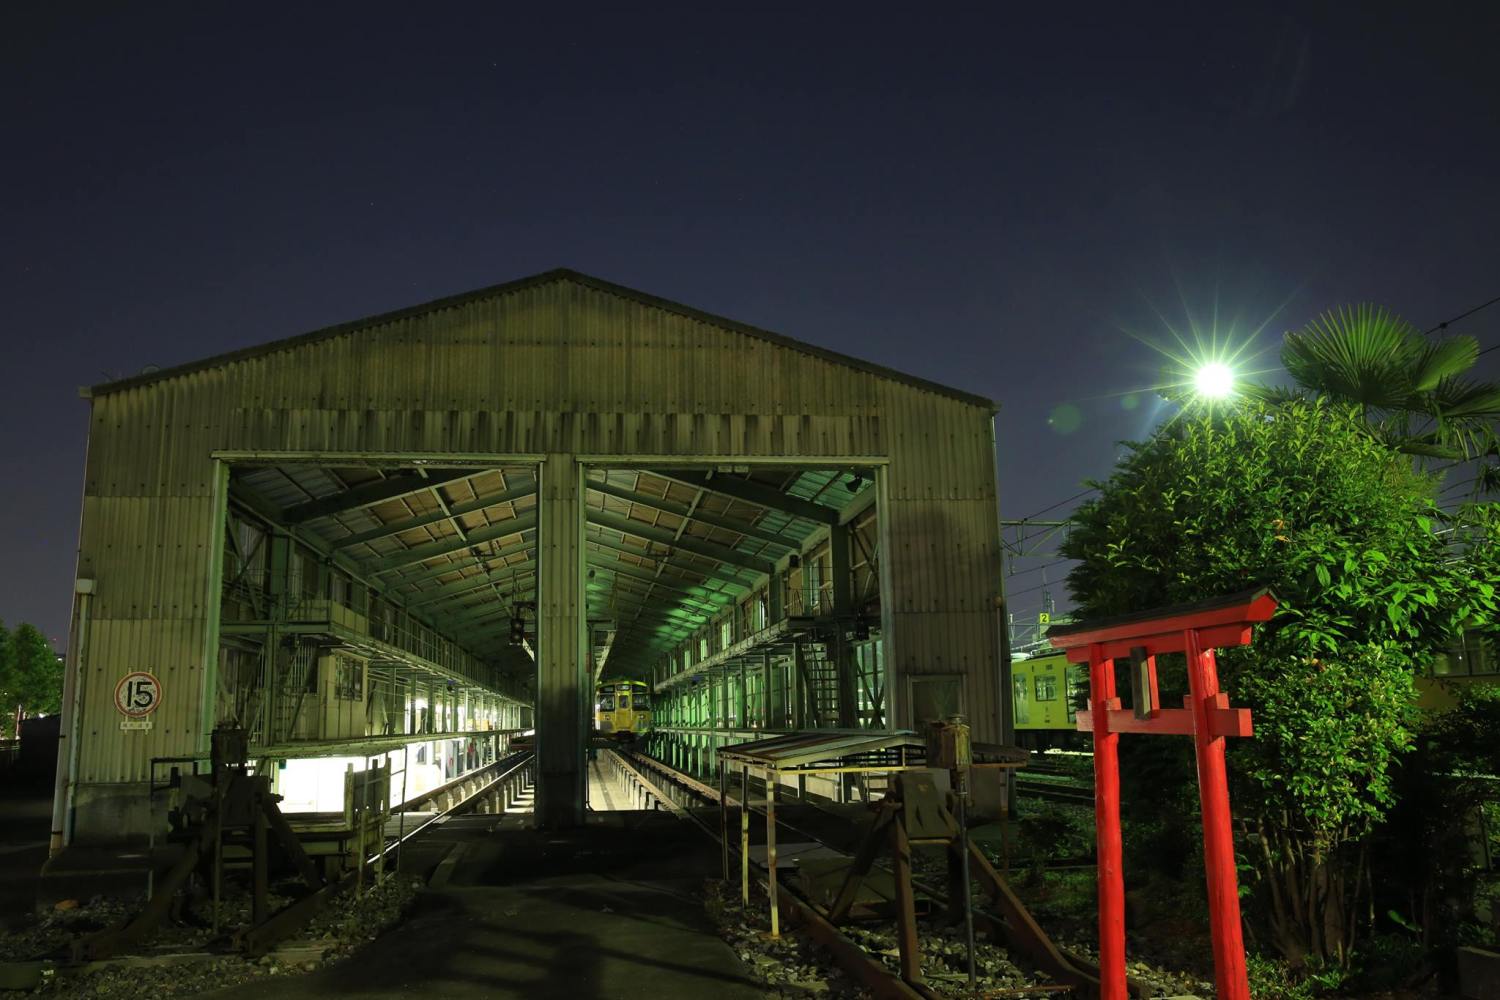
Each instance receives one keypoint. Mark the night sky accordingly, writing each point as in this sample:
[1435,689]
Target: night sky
[1013,202]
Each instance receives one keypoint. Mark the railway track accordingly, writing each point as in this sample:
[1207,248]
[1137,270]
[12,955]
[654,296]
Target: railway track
[129,944]
[518,768]
[1067,792]
[662,786]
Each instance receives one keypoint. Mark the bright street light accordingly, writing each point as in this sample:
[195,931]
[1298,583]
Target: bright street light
[1213,380]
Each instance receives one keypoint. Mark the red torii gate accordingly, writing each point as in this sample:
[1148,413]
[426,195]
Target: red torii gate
[1196,630]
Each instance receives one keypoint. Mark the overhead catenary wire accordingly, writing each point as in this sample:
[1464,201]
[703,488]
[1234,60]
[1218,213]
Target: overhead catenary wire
[1033,569]
[1017,593]
[1465,315]
[1075,496]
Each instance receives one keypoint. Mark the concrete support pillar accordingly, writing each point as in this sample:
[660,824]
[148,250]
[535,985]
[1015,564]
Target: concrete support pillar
[562,687]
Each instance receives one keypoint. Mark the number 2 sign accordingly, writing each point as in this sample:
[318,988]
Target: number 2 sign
[137,694]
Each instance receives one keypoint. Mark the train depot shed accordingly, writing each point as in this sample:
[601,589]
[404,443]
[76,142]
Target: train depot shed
[399,541]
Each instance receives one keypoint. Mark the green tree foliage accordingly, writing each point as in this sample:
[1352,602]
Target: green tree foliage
[31,676]
[1434,849]
[39,673]
[1300,496]
[1414,391]
[9,698]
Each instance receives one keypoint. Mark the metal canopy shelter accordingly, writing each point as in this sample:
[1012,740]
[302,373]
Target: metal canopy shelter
[802,754]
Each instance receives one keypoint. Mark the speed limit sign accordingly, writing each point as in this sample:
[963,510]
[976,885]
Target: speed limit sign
[137,694]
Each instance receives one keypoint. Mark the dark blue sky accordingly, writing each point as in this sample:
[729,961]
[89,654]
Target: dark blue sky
[1002,200]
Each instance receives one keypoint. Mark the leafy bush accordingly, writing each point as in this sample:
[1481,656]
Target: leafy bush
[1277,979]
[1437,879]
[1298,496]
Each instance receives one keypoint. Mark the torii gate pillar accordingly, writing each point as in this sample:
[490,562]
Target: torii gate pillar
[1195,630]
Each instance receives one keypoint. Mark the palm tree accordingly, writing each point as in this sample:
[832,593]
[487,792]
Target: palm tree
[1414,392]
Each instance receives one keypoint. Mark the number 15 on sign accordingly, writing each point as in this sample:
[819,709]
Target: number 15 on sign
[137,695]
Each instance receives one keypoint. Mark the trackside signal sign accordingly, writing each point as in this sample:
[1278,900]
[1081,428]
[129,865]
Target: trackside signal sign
[136,696]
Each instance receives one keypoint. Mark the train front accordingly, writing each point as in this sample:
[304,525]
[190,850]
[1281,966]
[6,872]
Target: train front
[622,709]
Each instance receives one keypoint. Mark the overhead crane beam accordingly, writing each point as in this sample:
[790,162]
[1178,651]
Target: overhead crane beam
[453,511]
[693,514]
[756,493]
[697,546]
[421,553]
[370,494]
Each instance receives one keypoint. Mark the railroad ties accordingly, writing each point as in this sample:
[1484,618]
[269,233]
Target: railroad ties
[815,834]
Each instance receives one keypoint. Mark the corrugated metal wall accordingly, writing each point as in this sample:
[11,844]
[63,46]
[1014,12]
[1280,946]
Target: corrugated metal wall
[558,368]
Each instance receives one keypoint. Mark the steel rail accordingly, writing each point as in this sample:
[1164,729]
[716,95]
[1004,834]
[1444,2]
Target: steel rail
[258,940]
[804,911]
[518,762]
[853,959]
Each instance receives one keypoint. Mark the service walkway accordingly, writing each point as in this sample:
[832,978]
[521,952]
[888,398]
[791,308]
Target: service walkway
[610,911]
[607,792]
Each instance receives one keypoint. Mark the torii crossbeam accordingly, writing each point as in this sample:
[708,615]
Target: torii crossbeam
[1196,630]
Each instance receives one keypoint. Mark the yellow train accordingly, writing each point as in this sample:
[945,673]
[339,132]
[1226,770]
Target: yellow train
[1045,691]
[622,708]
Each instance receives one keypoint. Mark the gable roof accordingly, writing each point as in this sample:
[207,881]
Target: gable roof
[546,277]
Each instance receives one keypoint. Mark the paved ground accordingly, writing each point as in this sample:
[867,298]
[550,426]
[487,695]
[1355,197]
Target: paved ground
[25,825]
[609,912]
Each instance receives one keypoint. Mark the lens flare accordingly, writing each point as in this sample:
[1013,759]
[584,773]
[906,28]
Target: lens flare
[1214,380]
